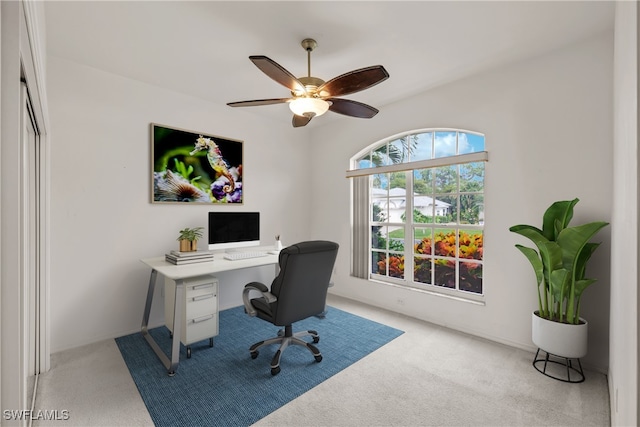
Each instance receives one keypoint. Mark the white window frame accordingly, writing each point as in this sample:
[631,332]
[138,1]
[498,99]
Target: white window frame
[409,226]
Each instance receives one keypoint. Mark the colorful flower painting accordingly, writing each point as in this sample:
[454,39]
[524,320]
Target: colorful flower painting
[193,167]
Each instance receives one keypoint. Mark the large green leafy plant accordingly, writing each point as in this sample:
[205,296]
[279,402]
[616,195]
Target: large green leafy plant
[560,260]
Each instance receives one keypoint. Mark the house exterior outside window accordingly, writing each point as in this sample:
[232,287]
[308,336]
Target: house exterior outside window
[425,210]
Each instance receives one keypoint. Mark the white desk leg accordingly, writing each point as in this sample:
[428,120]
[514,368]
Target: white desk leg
[171,365]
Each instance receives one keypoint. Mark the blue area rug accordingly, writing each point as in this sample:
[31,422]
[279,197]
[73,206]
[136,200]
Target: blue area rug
[223,386]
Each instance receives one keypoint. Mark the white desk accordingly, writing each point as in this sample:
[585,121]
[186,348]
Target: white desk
[179,273]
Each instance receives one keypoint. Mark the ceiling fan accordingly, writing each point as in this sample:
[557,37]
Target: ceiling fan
[312,96]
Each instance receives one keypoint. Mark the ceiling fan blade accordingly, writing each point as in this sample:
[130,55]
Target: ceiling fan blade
[299,121]
[355,81]
[278,73]
[352,108]
[257,102]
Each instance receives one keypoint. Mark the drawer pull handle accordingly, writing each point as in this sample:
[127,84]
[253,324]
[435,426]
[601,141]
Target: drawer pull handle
[202,319]
[201,297]
[202,286]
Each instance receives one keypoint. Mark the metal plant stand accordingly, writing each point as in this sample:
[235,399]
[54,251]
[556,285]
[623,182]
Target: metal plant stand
[559,361]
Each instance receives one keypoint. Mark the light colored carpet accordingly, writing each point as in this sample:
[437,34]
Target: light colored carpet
[93,384]
[429,376]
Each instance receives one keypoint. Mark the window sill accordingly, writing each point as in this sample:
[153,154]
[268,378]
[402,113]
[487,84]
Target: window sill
[475,300]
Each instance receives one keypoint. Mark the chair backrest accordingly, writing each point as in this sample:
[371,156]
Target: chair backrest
[301,286]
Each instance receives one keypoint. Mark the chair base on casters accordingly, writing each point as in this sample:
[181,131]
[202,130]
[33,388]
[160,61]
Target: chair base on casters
[285,340]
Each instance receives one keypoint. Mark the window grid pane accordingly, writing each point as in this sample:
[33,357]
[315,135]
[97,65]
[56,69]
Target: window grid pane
[422,146]
[445,144]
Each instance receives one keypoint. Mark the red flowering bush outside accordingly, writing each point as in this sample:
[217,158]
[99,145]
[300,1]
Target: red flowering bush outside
[444,245]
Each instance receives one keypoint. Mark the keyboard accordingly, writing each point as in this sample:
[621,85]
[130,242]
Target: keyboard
[234,256]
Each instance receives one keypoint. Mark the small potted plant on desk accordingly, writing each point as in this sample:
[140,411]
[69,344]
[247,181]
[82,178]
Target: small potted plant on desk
[188,239]
[559,265]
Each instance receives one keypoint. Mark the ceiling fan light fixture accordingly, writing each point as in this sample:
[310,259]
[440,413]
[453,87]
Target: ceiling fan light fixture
[309,107]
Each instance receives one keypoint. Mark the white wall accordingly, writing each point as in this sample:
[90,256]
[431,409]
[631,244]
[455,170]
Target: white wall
[548,127]
[623,367]
[102,221]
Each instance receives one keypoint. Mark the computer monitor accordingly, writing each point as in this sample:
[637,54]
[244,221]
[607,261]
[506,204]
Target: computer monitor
[229,230]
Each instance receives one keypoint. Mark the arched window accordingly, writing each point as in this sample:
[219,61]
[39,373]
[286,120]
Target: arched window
[418,211]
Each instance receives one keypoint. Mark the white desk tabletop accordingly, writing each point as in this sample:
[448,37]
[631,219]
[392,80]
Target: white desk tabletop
[219,264]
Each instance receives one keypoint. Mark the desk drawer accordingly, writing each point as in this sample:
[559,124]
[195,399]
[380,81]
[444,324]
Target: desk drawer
[201,328]
[200,305]
[203,287]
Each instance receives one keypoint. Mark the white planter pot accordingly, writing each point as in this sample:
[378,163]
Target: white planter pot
[559,339]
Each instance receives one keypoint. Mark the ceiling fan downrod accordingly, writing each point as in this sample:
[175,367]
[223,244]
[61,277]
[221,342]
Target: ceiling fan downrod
[310,83]
[309,45]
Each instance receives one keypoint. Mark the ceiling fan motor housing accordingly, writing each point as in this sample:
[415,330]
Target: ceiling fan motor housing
[311,84]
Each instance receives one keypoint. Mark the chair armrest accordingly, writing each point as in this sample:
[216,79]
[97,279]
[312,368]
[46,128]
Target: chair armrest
[257,287]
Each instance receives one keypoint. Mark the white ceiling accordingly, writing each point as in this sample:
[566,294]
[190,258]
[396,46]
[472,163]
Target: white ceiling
[201,48]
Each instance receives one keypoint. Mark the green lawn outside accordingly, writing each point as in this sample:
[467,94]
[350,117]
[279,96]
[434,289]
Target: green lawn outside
[420,233]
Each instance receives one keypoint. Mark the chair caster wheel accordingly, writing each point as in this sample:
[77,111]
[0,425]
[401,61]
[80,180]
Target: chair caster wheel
[275,371]
[318,358]
[254,354]
[188,352]
[316,340]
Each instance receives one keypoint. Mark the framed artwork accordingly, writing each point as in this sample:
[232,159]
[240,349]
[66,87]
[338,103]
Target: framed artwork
[191,167]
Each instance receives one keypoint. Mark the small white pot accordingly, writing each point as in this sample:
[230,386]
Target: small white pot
[560,339]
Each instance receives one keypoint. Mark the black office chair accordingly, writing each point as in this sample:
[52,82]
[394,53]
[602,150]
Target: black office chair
[299,291]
